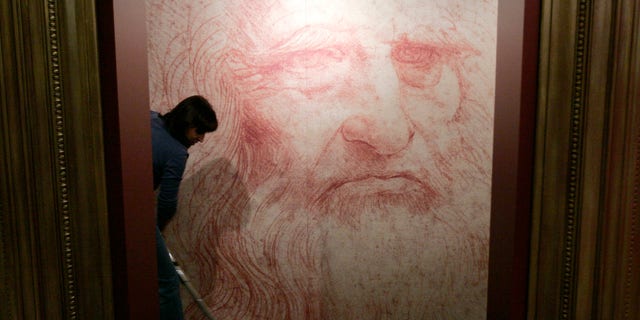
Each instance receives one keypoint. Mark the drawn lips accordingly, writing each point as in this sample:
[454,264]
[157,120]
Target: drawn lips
[395,184]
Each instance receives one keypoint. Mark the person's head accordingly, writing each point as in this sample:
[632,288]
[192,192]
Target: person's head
[190,120]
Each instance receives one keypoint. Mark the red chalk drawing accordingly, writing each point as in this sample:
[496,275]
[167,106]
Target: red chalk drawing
[350,175]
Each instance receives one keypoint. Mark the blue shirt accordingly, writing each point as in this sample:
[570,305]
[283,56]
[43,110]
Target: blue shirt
[169,160]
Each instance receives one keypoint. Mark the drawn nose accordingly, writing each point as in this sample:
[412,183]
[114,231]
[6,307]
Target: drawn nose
[380,121]
[384,137]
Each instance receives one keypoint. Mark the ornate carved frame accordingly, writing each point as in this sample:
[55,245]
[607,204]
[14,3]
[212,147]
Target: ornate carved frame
[54,247]
[585,242]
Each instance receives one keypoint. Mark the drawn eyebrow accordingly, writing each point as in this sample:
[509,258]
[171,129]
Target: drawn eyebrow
[324,39]
[443,40]
[413,51]
[310,37]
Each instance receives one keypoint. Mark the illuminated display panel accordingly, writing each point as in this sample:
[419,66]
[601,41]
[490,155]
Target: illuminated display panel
[350,176]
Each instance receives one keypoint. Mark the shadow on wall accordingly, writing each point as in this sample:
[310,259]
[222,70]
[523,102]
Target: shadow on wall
[213,204]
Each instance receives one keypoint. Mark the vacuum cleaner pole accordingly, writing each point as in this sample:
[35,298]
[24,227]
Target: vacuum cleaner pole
[192,291]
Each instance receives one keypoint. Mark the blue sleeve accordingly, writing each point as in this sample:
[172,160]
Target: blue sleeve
[168,189]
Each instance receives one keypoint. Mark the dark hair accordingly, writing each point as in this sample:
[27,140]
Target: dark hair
[192,112]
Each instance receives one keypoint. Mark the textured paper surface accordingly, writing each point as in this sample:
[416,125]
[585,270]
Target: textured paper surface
[350,176]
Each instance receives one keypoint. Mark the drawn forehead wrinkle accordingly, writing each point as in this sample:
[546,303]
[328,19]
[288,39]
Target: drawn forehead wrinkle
[290,17]
[280,27]
[269,39]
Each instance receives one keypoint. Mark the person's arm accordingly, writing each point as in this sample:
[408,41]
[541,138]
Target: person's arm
[168,189]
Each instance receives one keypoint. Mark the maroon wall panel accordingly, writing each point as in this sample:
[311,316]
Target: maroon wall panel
[516,90]
[125,102]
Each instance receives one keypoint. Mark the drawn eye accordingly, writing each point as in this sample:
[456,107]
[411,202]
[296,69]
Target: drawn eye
[419,56]
[418,64]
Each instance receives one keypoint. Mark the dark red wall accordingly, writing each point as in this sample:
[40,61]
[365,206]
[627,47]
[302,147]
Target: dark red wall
[125,103]
[516,91]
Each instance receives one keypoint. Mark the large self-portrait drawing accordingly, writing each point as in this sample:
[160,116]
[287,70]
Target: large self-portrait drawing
[350,176]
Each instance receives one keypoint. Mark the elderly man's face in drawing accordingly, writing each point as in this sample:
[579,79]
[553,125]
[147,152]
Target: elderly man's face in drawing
[353,99]
[361,132]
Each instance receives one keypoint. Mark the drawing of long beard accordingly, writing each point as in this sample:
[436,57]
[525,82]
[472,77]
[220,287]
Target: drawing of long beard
[398,265]
[399,256]
[275,259]
[248,260]
[274,250]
